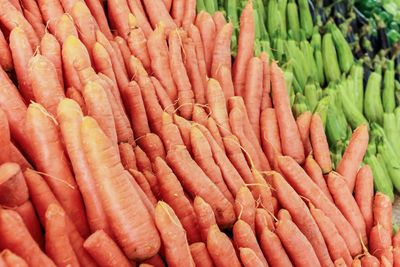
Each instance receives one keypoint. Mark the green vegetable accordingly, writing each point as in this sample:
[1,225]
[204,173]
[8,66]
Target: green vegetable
[336,124]
[293,19]
[353,115]
[311,94]
[343,49]
[382,182]
[329,56]
[388,88]
[282,4]
[305,18]
[320,66]
[322,108]
[392,131]
[357,72]
[231,7]
[200,6]
[392,163]
[272,18]
[373,108]
[210,6]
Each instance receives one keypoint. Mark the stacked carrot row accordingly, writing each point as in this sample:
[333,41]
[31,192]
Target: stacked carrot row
[142,144]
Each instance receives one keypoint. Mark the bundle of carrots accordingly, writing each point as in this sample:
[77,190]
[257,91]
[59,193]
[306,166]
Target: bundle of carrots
[142,144]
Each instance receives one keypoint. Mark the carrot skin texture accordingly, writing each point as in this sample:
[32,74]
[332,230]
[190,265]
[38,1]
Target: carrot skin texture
[51,12]
[106,252]
[379,241]
[314,171]
[224,77]
[200,254]
[64,28]
[320,144]
[273,249]
[364,195]
[382,210]
[266,101]
[245,207]
[51,49]
[162,96]
[13,189]
[144,185]
[6,61]
[85,23]
[303,124]
[249,257]
[205,216]
[189,13]
[221,248]
[128,158]
[217,102]
[263,220]
[206,27]
[138,46]
[221,54]
[152,146]
[118,12]
[10,259]
[157,12]
[270,139]
[98,13]
[195,35]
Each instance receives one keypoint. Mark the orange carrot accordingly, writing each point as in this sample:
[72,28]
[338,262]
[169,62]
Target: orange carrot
[320,144]
[335,243]
[213,128]
[36,22]
[137,10]
[51,11]
[245,48]
[249,257]
[266,98]
[291,201]
[157,12]
[21,52]
[8,258]
[245,207]
[219,20]
[296,244]
[58,246]
[16,237]
[144,185]
[224,77]
[152,146]
[270,139]
[303,124]
[180,161]
[13,189]
[142,161]
[222,53]
[102,61]
[205,216]
[118,11]
[170,134]
[5,138]
[216,100]
[17,5]
[185,92]
[379,240]
[340,263]
[162,96]
[354,155]
[70,116]
[98,13]
[263,220]
[178,11]
[221,248]
[243,236]
[47,92]
[64,28]
[17,157]
[125,51]
[192,68]
[124,217]
[347,205]
[364,195]
[314,171]
[5,54]
[206,27]
[302,183]
[158,52]
[172,193]
[369,260]
[202,154]
[105,251]
[195,35]
[382,210]
[128,158]
[290,136]
[177,252]
[273,249]
[284,215]
[155,261]
[396,256]
[32,7]
[252,94]
[184,128]
[262,192]
[142,195]
[200,254]
[200,115]
[76,95]
[138,46]
[189,13]
[85,23]
[50,48]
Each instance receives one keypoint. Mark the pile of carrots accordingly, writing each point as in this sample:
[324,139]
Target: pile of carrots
[129,137]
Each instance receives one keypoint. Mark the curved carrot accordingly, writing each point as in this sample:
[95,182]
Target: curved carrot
[162,96]
[158,52]
[104,250]
[382,210]
[98,13]
[58,246]
[21,52]
[205,216]
[64,28]
[177,252]
[266,101]
[195,35]
[5,54]
[303,124]
[200,255]
[157,12]
[124,217]
[224,77]
[221,249]
[118,11]
[144,185]
[219,20]
[16,237]
[263,220]
[273,249]
[189,14]
[206,27]
[142,161]
[354,155]
[8,258]
[249,257]
[216,100]
[51,49]
[70,116]
[138,46]
[13,189]
[85,23]
[320,144]
[364,195]
[47,92]
[314,171]
[290,136]
[222,53]
[245,48]
[270,139]
[245,207]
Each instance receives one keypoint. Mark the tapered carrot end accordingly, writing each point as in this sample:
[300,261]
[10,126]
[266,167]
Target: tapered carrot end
[80,8]
[54,210]
[67,106]
[89,127]
[166,118]
[195,133]
[132,21]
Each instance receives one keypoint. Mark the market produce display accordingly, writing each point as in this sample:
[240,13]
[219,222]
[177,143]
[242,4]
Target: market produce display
[193,133]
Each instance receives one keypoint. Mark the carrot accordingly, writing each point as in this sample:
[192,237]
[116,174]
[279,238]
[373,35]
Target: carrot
[85,23]
[76,95]
[144,185]
[219,20]
[178,11]
[11,18]
[162,96]
[102,61]
[125,51]
[266,98]
[396,256]
[252,94]
[387,262]
[70,116]
[245,207]
[170,134]
[243,236]
[118,11]
[36,23]
[364,195]
[314,171]
[8,258]
[202,154]
[137,10]
[152,146]
[184,128]
[106,252]
[51,11]
[58,246]
[290,136]
[13,189]
[263,220]
[221,55]
[224,77]
[177,252]
[206,27]
[50,48]
[217,102]
[17,5]
[303,124]
[64,28]
[335,243]
[284,215]
[195,35]
[21,52]
[200,255]
[17,157]
[185,92]
[213,128]
[356,263]
[291,201]
[5,138]
[192,68]
[273,249]
[262,192]
[157,12]
[347,204]
[379,240]
[369,260]
[5,54]
[320,144]
[128,158]
[221,249]
[138,46]
[235,155]
[155,261]
[189,14]
[124,217]
[249,257]
[382,210]
[142,161]
[270,139]
[354,155]
[296,244]
[32,7]
[245,48]
[16,237]
[205,216]
[200,115]
[340,263]
[158,52]
[304,186]
[98,13]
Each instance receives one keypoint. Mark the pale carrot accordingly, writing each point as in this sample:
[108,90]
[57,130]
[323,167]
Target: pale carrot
[266,101]
[382,210]
[178,11]
[85,23]
[200,115]
[137,10]
[13,189]
[102,61]
[379,240]
[314,171]
[206,27]
[157,12]
[303,124]
[195,35]
[8,258]
[189,14]
[200,254]
[320,144]
[51,11]
[6,61]
[76,95]
[284,214]
[261,191]
[118,11]
[222,53]
[36,22]
[128,158]
[142,160]
[245,207]
[263,220]
[219,20]
[138,46]
[364,195]
[249,257]
[144,185]
[221,248]
[162,96]
[65,27]
[224,77]
[216,100]
[184,127]
[273,249]
[126,53]
[51,49]
[97,10]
